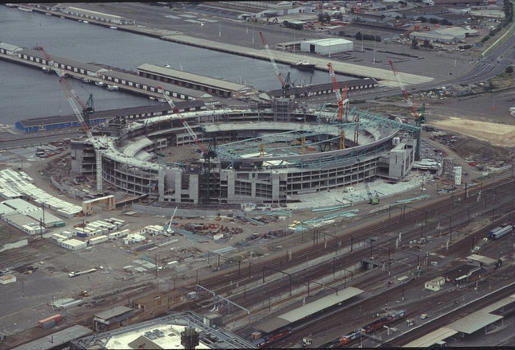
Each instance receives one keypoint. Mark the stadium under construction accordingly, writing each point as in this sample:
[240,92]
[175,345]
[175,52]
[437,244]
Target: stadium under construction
[260,154]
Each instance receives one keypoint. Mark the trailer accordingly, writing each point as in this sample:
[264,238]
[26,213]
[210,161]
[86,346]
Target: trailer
[79,273]
[49,322]
[500,232]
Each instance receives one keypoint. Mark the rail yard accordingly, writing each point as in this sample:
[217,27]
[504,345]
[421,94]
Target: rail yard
[371,209]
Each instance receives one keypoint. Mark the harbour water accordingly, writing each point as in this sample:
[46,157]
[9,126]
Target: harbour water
[26,92]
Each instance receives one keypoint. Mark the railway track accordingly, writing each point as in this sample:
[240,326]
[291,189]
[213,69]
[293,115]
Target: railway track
[454,315]
[365,311]
[384,245]
[506,207]
[408,216]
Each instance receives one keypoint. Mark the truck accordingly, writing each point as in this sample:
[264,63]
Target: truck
[500,232]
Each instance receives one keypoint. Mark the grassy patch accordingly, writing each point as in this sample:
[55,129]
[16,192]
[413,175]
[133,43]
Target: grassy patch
[502,81]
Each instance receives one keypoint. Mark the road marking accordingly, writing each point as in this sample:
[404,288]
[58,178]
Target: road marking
[508,31]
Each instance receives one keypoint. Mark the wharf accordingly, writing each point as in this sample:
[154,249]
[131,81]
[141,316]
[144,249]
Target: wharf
[384,75]
[97,117]
[94,73]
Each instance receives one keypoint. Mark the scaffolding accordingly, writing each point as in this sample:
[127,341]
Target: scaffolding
[292,143]
[286,143]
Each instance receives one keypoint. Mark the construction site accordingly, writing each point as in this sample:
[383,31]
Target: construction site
[357,212]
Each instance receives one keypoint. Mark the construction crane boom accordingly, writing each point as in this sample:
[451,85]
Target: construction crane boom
[340,98]
[169,228]
[271,57]
[335,83]
[342,102]
[188,128]
[74,101]
[414,113]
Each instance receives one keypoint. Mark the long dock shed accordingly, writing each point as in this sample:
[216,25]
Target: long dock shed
[56,340]
[193,81]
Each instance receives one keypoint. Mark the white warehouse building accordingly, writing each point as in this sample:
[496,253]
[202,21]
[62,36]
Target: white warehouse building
[326,46]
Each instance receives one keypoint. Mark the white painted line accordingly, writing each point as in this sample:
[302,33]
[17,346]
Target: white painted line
[508,31]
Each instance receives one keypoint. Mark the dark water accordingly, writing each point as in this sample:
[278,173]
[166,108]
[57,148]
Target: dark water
[26,92]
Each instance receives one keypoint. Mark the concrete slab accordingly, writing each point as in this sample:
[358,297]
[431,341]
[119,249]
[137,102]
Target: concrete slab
[291,58]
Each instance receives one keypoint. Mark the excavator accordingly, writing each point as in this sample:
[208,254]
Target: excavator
[371,198]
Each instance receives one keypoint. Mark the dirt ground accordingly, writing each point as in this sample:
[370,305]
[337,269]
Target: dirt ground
[487,107]
[484,117]
[497,134]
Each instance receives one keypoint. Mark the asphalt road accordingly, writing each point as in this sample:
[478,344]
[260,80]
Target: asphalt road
[490,65]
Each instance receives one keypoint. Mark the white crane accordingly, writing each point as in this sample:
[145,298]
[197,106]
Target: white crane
[188,128]
[169,229]
[74,101]
[284,84]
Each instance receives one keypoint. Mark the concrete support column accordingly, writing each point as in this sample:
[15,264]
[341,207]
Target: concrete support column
[161,185]
[193,188]
[230,185]
[253,189]
[275,186]
[177,174]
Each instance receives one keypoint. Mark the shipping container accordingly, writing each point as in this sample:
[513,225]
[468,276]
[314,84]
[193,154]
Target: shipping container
[49,322]
[499,232]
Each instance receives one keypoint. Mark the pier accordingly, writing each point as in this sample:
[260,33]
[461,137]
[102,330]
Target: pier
[112,78]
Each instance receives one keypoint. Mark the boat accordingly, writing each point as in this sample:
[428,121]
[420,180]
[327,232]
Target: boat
[23,8]
[86,80]
[85,22]
[112,87]
[99,83]
[304,65]
[167,66]
[113,27]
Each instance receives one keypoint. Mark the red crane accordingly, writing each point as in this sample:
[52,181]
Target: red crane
[414,113]
[340,98]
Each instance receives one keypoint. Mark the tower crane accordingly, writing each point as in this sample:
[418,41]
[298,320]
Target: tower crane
[188,128]
[86,108]
[419,118]
[78,108]
[341,100]
[285,84]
